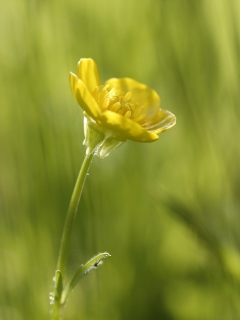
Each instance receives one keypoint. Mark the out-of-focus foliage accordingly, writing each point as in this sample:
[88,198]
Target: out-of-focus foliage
[168,212]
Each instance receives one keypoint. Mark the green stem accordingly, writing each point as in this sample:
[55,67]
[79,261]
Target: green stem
[57,312]
[72,213]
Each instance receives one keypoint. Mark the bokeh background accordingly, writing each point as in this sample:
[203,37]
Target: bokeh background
[168,212]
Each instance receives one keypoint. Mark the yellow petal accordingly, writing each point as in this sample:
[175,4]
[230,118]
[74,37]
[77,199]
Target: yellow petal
[125,128]
[84,97]
[88,73]
[163,121]
[142,94]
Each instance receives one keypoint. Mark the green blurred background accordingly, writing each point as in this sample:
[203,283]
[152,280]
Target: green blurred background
[168,212]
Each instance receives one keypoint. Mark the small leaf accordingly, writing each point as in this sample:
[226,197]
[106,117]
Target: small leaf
[55,295]
[83,270]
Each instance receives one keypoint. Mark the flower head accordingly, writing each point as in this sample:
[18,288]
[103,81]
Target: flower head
[118,110]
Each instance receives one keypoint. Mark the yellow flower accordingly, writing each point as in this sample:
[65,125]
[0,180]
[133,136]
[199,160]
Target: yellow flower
[118,110]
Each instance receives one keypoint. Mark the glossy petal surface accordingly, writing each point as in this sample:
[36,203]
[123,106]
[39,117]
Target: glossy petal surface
[88,73]
[126,128]
[84,97]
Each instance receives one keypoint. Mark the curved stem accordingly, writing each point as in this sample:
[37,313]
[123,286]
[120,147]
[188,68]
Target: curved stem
[57,307]
[61,264]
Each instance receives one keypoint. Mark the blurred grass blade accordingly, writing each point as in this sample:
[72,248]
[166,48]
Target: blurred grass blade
[92,264]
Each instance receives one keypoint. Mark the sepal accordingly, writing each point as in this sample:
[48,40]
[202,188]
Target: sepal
[99,140]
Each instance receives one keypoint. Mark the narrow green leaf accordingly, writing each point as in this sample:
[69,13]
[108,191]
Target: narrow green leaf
[83,270]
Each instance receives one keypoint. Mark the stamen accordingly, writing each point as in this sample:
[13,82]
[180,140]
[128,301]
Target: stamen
[128,114]
[106,86]
[127,107]
[95,93]
[140,118]
[138,110]
[115,107]
[102,95]
[108,100]
[105,103]
[128,95]
[113,99]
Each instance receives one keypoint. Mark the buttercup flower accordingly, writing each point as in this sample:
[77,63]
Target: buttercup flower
[118,110]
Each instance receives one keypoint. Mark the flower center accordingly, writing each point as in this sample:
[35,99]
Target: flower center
[120,104]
